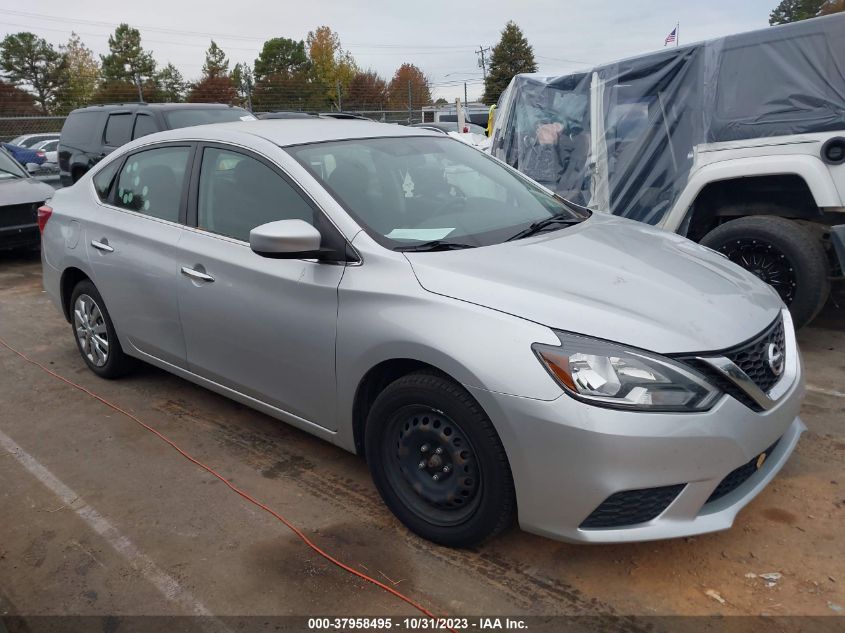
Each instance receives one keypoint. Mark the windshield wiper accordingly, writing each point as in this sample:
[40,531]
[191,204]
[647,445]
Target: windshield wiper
[433,245]
[540,225]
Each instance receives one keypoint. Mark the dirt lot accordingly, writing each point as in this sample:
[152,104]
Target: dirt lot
[98,516]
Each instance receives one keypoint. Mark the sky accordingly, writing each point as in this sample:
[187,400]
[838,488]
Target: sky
[439,36]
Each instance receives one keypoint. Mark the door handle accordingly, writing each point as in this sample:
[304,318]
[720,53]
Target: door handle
[102,246]
[195,274]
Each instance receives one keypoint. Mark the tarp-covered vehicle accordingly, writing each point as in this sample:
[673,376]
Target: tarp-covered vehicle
[737,143]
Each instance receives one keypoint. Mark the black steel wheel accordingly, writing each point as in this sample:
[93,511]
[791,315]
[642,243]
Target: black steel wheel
[432,465]
[437,461]
[782,253]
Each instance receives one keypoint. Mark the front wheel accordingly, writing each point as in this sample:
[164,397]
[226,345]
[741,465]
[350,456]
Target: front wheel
[438,462]
[783,254]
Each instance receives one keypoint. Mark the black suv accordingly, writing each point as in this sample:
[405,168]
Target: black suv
[91,133]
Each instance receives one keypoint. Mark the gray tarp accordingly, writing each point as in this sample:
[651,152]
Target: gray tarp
[621,137]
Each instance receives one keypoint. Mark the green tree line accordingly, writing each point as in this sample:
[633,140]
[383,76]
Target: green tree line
[316,73]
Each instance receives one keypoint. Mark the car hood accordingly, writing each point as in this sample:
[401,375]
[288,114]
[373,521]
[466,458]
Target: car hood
[610,278]
[23,191]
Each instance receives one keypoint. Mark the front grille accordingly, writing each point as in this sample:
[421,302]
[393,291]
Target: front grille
[630,507]
[18,214]
[738,476]
[752,357]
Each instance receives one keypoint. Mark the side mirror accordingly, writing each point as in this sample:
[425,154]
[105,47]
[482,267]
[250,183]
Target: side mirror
[286,239]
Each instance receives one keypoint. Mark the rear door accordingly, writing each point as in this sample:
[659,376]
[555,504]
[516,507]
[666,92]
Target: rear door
[118,130]
[263,327]
[131,239]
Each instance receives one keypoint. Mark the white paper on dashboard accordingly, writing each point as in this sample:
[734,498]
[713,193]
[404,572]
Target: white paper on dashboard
[424,235]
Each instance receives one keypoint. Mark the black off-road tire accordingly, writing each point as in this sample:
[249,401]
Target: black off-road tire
[808,268]
[117,363]
[425,405]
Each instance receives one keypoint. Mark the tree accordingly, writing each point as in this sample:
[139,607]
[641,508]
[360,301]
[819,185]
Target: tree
[242,81]
[127,60]
[397,92]
[171,85]
[511,56]
[281,56]
[216,65]
[795,10]
[213,90]
[216,85]
[30,61]
[331,65]
[441,101]
[832,6]
[366,91]
[80,75]
[16,102]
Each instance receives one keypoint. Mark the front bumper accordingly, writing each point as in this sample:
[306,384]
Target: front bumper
[568,457]
[19,236]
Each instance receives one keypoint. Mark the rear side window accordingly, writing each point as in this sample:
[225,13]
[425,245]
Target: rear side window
[118,128]
[79,128]
[104,178]
[150,182]
[144,124]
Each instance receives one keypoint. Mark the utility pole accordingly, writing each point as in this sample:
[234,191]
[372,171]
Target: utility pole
[339,98]
[247,75]
[465,94]
[409,102]
[483,62]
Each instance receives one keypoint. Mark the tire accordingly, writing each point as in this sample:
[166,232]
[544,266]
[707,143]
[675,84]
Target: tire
[782,253]
[456,497]
[89,321]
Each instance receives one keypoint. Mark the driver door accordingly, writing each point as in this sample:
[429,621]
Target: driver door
[263,327]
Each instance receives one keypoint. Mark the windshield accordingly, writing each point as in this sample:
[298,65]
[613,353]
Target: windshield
[9,167]
[410,190]
[186,117]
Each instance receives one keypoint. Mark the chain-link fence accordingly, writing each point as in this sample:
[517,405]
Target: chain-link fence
[13,126]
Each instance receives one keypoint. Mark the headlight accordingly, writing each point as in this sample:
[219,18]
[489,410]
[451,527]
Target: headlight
[611,375]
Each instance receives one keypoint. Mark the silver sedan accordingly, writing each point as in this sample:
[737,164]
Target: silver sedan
[492,350]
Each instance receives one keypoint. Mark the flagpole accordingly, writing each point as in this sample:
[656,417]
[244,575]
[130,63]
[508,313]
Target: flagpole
[678,34]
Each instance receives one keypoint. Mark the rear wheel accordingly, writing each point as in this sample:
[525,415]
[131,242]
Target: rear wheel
[94,333]
[783,254]
[437,461]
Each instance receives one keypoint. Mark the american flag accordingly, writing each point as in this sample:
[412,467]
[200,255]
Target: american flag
[671,37]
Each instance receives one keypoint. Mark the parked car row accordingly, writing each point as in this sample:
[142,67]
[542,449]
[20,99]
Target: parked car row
[20,197]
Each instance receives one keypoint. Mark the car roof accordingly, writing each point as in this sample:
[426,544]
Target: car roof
[159,106]
[286,132]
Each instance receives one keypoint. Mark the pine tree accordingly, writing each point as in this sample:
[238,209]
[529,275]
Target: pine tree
[512,55]
[30,61]
[216,65]
[795,10]
[127,58]
[171,85]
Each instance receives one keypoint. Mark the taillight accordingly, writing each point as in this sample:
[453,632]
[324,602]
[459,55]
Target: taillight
[44,213]
[40,154]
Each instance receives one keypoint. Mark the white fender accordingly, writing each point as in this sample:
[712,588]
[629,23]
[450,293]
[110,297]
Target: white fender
[810,168]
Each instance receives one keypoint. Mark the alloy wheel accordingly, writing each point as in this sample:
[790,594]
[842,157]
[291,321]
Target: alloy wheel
[91,331]
[766,262]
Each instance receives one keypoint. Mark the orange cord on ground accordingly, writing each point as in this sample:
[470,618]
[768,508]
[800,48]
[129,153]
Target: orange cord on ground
[229,484]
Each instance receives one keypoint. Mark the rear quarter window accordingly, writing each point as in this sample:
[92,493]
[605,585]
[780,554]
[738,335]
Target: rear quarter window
[80,128]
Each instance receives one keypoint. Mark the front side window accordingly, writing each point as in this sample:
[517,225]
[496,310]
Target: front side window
[150,182]
[118,128]
[408,190]
[238,192]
